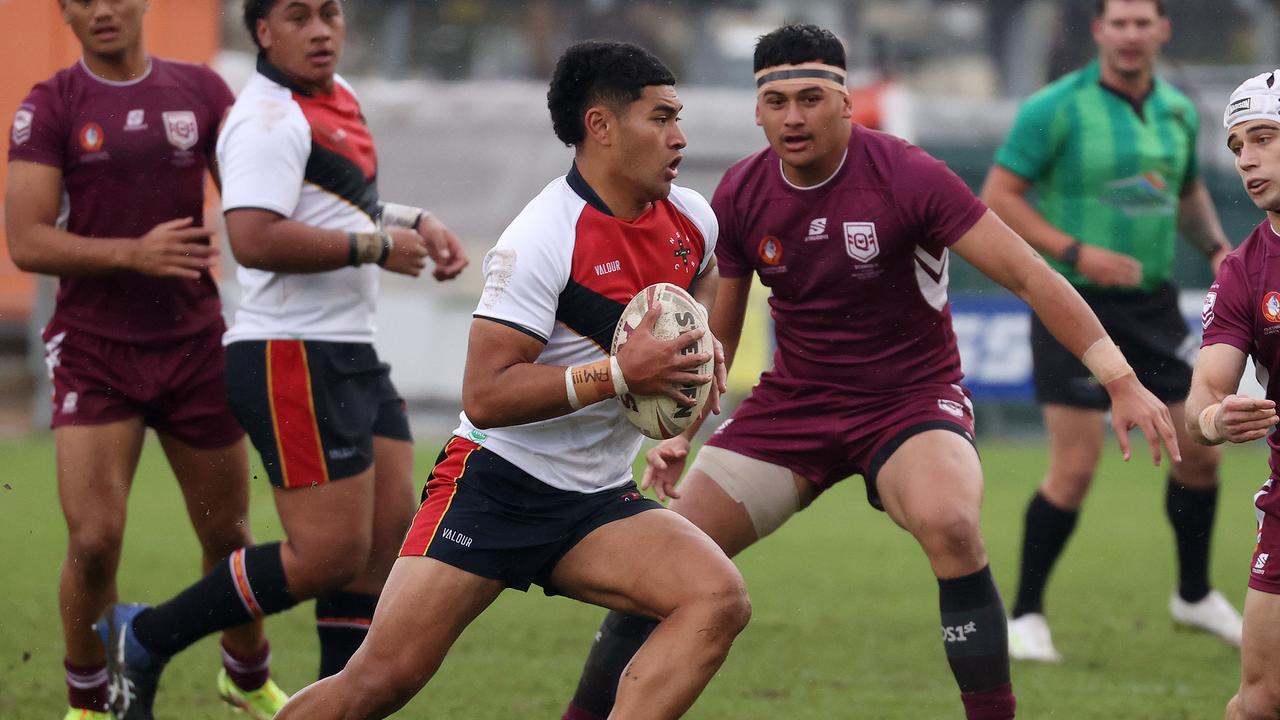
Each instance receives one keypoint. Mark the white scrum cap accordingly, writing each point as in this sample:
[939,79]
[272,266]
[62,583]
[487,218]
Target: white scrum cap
[1257,98]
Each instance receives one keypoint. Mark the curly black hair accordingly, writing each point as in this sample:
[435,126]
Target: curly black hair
[597,71]
[255,10]
[795,43]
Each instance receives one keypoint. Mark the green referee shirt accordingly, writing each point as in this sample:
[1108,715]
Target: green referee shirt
[1105,170]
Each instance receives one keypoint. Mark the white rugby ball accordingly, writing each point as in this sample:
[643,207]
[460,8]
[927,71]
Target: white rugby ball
[659,416]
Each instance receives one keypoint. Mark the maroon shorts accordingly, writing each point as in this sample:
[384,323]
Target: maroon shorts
[1264,574]
[176,389]
[825,434]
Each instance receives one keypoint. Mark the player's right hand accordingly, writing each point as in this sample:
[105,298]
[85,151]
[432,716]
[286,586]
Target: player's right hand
[1108,268]
[408,252]
[1242,418]
[174,249]
[663,465]
[1132,405]
[659,367]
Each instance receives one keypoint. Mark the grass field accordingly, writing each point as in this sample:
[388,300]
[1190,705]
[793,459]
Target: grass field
[845,622]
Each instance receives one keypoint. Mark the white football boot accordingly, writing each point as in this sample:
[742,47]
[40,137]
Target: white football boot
[1214,615]
[1029,639]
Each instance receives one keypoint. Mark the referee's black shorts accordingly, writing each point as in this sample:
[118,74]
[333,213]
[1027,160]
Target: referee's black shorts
[1151,332]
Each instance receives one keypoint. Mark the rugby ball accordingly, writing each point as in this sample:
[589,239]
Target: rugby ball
[659,416]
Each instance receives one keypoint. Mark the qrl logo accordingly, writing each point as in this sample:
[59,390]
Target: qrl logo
[860,241]
[180,129]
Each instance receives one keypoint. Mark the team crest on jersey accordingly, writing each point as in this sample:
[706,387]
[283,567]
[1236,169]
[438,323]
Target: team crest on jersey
[860,241]
[91,137]
[771,250]
[181,129]
[22,125]
[1271,307]
[1206,312]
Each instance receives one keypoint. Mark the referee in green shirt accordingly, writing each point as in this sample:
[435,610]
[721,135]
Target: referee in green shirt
[1110,152]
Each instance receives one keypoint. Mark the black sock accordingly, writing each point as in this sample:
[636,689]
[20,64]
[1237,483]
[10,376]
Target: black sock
[1191,512]
[215,602]
[619,638]
[1045,532]
[974,632]
[342,621]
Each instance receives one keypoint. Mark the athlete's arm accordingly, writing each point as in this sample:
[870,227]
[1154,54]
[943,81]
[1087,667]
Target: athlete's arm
[263,240]
[1214,413]
[36,244]
[503,384]
[1199,225]
[1006,193]
[994,249]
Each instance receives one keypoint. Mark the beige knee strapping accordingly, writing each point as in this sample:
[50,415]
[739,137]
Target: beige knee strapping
[767,491]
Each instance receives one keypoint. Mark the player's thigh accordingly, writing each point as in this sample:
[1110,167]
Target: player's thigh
[95,467]
[215,486]
[1260,649]
[1199,466]
[737,500]
[329,529]
[423,609]
[1076,437]
[648,564]
[931,486]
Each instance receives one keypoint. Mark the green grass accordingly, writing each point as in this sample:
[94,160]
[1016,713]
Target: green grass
[845,622]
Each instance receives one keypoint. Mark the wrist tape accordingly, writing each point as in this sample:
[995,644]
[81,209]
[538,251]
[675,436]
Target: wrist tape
[1105,361]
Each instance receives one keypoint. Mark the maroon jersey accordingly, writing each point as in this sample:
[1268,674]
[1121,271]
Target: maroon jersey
[857,265]
[1242,309]
[132,155]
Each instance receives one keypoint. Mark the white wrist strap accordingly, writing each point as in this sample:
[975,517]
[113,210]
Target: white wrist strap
[619,383]
[1105,361]
[568,388]
[1209,423]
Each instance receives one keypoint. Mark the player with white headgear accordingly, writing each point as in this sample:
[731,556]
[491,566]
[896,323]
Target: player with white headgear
[1241,317]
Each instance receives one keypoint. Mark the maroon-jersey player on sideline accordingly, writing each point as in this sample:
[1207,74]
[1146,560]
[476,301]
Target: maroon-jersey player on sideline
[1242,319]
[136,335]
[852,229]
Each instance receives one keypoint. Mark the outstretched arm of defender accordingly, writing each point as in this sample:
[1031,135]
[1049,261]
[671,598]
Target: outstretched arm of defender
[1215,414]
[1001,255]
[264,240]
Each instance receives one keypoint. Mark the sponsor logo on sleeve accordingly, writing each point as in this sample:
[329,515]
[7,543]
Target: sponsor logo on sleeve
[1271,307]
[22,125]
[1260,564]
[1206,313]
[860,241]
[181,129]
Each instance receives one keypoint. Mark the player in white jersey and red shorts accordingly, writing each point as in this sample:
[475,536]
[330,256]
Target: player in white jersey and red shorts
[1241,320]
[535,486]
[108,161]
[852,230]
[312,238]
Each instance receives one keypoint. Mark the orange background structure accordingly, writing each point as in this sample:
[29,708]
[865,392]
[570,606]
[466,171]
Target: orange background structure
[35,43]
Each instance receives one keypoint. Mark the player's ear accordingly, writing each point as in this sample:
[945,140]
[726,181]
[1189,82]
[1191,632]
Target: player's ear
[263,32]
[1166,29]
[599,123]
[846,111]
[759,122]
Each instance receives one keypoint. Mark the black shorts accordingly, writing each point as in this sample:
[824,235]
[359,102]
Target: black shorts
[312,408]
[1151,332]
[482,514]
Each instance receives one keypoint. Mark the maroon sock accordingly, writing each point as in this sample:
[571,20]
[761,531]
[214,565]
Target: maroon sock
[86,686]
[248,672]
[997,703]
[576,713]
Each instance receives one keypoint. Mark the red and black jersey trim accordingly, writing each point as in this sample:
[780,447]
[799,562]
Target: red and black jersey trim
[579,185]
[278,76]
[588,313]
[339,175]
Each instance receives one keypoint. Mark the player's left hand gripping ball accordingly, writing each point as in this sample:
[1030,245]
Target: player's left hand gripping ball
[660,416]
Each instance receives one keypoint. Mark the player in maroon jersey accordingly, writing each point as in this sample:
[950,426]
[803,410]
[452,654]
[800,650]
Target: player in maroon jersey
[135,338]
[852,229]
[1241,320]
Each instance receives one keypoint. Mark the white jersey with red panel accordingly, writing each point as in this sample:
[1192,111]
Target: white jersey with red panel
[562,273]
